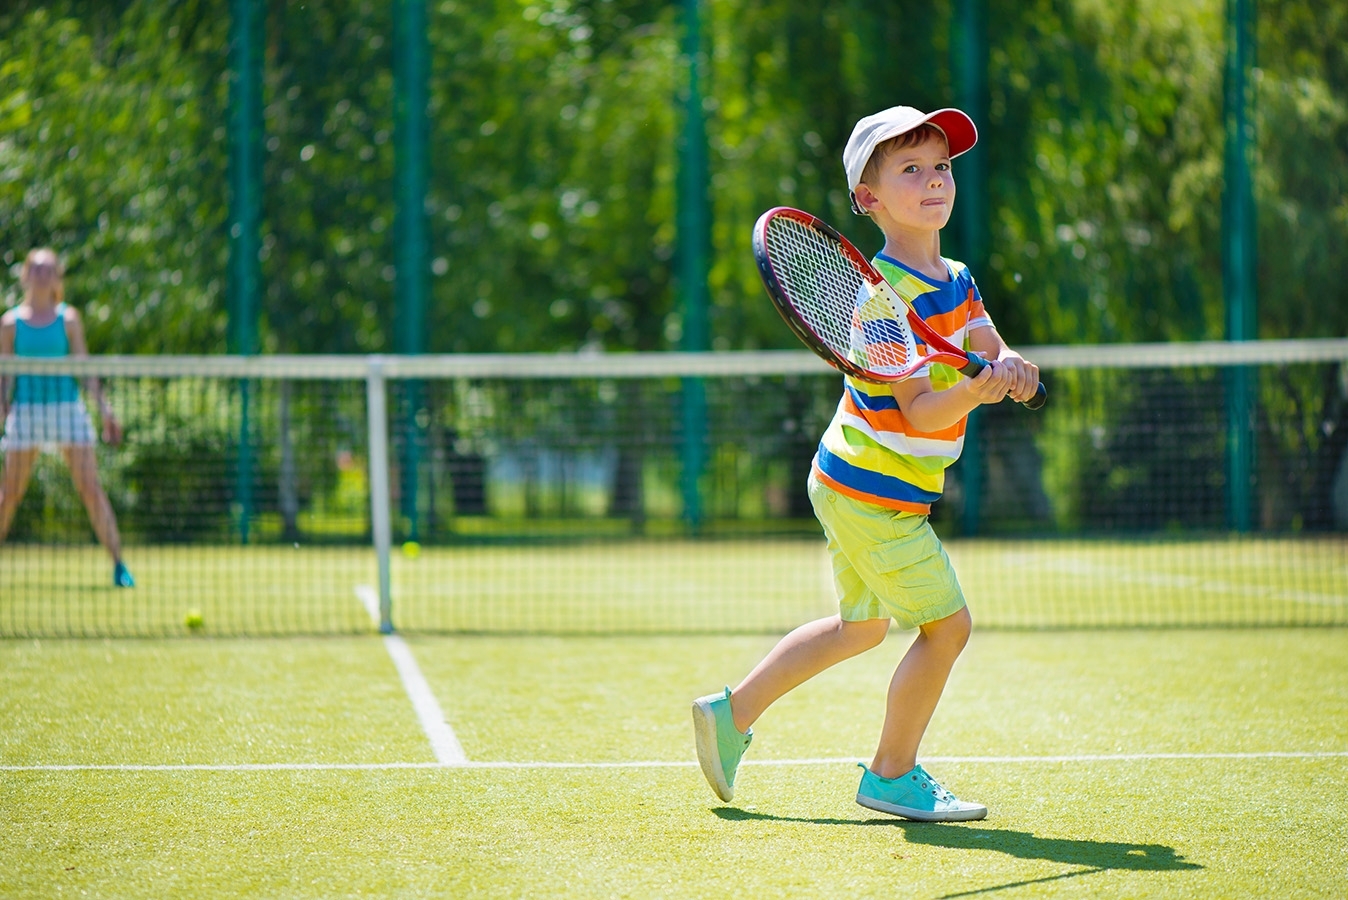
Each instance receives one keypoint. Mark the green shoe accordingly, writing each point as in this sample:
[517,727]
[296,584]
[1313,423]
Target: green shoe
[719,743]
[121,577]
[915,795]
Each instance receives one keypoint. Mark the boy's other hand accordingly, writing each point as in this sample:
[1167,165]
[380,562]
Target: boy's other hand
[1024,377]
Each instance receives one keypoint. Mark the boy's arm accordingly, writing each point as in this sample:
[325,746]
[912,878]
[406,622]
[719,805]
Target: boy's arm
[1010,374]
[1024,374]
[929,410]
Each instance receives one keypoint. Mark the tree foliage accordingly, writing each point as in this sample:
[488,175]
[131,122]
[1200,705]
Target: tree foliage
[554,153]
[111,143]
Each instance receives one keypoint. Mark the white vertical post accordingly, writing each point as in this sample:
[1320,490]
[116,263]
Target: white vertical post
[377,410]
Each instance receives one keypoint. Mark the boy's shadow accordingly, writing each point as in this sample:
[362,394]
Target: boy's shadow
[1095,856]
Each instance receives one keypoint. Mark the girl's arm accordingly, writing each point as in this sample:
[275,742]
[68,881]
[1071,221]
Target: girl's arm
[79,349]
[7,329]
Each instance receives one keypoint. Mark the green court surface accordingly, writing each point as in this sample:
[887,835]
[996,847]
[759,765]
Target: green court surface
[1127,763]
[651,586]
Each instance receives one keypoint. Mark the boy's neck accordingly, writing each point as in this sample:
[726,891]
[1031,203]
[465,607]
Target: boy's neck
[919,251]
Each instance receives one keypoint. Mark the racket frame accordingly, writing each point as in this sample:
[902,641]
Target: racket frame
[943,351]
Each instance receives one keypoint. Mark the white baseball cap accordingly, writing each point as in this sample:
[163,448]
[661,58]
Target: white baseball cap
[872,131]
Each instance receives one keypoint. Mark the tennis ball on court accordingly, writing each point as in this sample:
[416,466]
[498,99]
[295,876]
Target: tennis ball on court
[193,619]
[411,549]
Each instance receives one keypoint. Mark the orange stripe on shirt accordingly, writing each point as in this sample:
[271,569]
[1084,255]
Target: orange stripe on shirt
[894,421]
[957,319]
[976,309]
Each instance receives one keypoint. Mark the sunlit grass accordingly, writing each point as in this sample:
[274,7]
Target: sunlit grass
[1074,824]
[658,585]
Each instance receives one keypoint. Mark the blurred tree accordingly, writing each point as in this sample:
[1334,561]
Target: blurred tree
[1301,178]
[112,151]
[328,265]
[553,164]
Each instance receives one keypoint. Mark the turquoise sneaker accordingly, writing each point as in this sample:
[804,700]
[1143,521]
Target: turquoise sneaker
[719,743]
[915,795]
[121,576]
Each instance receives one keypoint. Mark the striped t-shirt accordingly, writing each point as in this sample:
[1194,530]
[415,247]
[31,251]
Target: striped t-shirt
[870,451]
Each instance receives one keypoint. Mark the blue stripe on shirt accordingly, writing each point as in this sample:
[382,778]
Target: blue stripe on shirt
[872,402]
[869,482]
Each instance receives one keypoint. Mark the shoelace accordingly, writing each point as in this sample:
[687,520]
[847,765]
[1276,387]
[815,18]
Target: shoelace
[929,783]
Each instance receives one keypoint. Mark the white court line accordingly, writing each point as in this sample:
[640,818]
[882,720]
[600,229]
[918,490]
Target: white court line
[444,743]
[671,764]
[369,598]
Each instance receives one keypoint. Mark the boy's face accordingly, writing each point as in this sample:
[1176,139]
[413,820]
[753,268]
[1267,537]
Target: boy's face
[915,190]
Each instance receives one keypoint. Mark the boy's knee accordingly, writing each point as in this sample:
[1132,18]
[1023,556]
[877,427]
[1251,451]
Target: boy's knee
[953,631]
[867,633]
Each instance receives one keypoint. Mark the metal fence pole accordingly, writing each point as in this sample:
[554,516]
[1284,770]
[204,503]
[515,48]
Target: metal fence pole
[969,71]
[1238,259]
[245,222]
[410,76]
[693,231]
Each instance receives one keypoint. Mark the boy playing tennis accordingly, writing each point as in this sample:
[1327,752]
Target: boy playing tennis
[879,467]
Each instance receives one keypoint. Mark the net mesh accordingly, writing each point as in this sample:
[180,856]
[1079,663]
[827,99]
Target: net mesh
[666,494]
[837,304]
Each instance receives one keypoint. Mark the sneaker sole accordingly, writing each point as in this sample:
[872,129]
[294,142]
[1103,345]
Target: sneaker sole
[708,752]
[923,815]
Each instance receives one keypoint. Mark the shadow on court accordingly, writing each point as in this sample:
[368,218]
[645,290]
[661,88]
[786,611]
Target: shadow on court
[1094,856]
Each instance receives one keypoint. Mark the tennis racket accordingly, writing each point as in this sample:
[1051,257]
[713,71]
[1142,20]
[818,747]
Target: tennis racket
[842,308]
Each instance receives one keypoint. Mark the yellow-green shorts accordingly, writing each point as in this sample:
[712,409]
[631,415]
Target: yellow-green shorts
[886,563]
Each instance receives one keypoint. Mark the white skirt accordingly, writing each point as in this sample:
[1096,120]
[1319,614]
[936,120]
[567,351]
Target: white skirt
[32,425]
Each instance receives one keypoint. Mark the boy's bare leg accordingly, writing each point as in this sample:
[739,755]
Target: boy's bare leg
[18,466]
[84,472]
[798,657]
[915,690]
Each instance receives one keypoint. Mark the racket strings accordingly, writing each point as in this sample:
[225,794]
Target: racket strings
[833,299]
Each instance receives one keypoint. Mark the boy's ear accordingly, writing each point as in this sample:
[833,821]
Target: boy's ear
[864,201]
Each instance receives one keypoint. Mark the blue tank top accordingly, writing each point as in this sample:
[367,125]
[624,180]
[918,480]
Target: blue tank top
[48,341]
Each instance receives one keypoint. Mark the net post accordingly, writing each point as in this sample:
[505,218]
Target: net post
[377,412]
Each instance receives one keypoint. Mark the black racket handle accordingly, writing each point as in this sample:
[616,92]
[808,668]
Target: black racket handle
[978,364]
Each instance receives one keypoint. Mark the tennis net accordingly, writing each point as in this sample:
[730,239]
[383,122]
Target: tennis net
[665,493]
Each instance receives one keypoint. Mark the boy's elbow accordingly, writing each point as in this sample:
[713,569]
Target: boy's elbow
[927,424]
[932,416]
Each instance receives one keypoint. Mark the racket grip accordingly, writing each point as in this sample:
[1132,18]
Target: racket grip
[977,364]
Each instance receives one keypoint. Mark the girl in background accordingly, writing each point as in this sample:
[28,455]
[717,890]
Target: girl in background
[47,409]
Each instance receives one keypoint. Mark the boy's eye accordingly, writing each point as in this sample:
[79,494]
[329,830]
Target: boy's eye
[910,168]
[943,167]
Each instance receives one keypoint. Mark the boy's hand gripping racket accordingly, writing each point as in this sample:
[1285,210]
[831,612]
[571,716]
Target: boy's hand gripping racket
[842,308]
